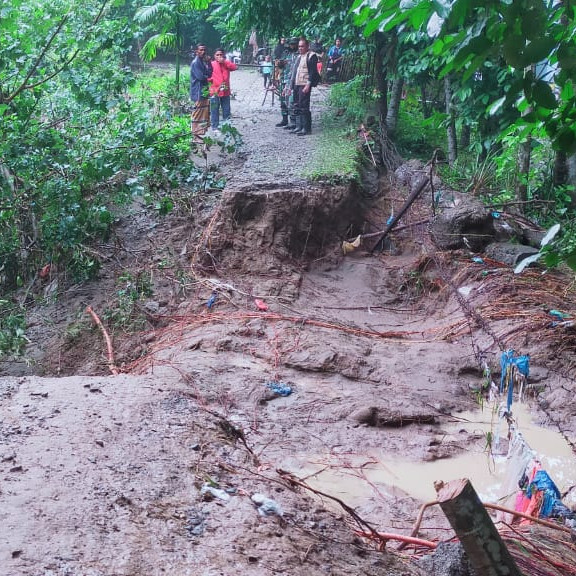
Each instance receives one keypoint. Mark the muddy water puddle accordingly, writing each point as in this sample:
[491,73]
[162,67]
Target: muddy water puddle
[361,478]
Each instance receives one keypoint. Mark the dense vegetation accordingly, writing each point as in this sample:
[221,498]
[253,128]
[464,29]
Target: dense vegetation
[83,131]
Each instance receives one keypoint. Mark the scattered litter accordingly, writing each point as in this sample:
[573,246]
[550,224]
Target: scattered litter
[496,215]
[539,496]
[478,260]
[209,493]
[390,220]
[515,370]
[279,388]
[211,300]
[261,305]
[465,290]
[558,314]
[351,246]
[266,506]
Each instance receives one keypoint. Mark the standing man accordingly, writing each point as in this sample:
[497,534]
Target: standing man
[220,88]
[285,65]
[304,77]
[200,71]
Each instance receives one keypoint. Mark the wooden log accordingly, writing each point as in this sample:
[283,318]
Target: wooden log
[482,543]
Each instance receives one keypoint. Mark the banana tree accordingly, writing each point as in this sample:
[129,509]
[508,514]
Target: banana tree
[168,18]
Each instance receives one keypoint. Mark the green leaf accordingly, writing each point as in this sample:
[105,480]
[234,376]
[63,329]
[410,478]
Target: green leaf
[495,107]
[566,55]
[571,260]
[566,140]
[543,96]
[513,48]
[538,50]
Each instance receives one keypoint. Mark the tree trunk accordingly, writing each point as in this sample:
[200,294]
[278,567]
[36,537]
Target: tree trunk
[424,98]
[178,45]
[451,129]
[394,106]
[524,154]
[380,72]
[484,547]
[560,176]
[465,134]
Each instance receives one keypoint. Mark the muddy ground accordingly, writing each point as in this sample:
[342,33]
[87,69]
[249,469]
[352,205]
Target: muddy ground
[188,461]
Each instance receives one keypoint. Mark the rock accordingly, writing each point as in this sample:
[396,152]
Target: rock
[449,559]
[509,253]
[465,224]
[383,417]
[533,237]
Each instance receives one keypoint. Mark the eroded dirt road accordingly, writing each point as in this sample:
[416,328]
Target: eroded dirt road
[182,464]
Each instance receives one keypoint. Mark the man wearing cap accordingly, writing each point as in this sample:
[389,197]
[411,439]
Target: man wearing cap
[285,65]
[304,77]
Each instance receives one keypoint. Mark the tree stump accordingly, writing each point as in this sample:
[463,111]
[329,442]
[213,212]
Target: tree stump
[484,547]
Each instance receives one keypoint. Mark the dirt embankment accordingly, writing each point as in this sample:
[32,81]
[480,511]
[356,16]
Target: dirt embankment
[269,359]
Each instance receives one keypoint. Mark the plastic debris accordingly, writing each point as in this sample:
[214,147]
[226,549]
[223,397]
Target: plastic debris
[279,388]
[539,496]
[212,300]
[478,260]
[261,305]
[266,506]
[390,220]
[351,246]
[209,493]
[496,215]
[558,314]
[465,290]
[515,370]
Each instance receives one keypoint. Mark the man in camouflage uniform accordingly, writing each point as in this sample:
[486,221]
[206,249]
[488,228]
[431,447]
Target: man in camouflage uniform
[285,68]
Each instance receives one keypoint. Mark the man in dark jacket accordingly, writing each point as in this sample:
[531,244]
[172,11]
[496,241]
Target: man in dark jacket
[200,71]
[304,77]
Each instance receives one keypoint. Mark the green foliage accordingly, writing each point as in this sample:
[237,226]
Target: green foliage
[337,157]
[80,136]
[125,313]
[416,136]
[12,329]
[351,99]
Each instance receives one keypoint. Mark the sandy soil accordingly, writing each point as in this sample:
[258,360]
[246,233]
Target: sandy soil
[185,463]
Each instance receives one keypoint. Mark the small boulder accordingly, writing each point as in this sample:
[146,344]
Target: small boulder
[463,223]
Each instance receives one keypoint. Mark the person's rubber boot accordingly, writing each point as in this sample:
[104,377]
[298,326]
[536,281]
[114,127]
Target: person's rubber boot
[283,123]
[306,124]
[299,124]
[291,123]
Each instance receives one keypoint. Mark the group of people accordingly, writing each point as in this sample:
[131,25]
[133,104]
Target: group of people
[298,73]
[295,70]
[209,91]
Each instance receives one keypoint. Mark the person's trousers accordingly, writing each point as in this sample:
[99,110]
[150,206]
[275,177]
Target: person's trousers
[200,117]
[301,100]
[217,102]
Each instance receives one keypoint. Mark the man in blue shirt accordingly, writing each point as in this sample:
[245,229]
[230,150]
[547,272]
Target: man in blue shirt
[200,71]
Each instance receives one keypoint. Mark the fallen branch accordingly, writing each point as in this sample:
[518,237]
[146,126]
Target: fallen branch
[350,245]
[98,322]
[384,537]
[547,523]
[295,481]
[416,526]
